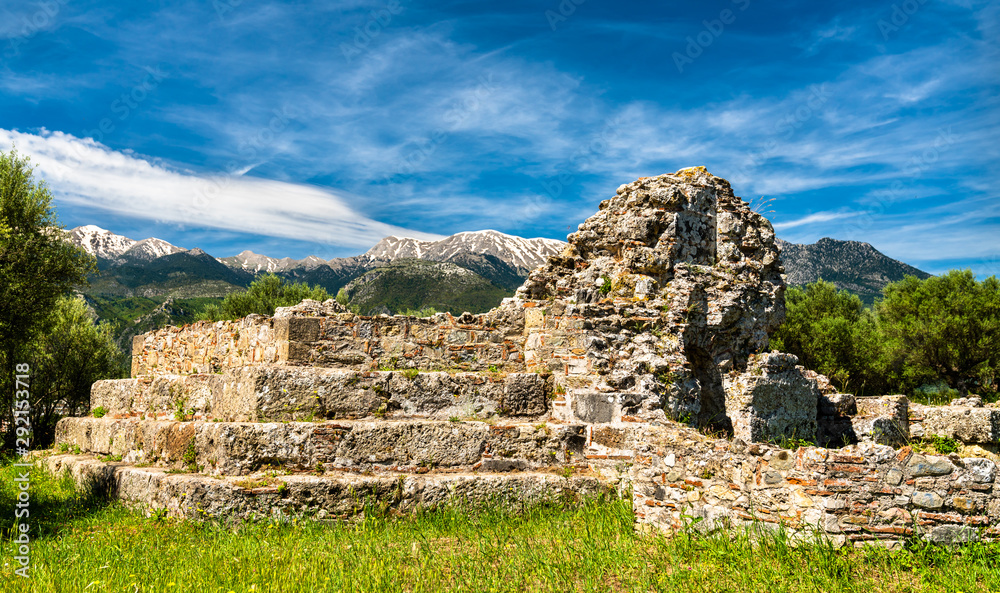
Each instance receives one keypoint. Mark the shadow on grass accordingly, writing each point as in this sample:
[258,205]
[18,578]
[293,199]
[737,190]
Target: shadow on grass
[53,501]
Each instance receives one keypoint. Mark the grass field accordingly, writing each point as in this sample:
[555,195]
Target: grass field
[82,543]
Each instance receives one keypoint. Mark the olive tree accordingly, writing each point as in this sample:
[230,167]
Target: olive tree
[37,268]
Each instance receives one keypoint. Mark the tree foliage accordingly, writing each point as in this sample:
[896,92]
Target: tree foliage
[942,330]
[37,268]
[66,360]
[264,295]
[945,327]
[832,333]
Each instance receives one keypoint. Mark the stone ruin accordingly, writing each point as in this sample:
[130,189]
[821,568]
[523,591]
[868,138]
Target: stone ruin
[635,361]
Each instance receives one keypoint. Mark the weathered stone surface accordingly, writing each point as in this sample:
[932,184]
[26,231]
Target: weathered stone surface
[952,534]
[833,405]
[919,466]
[883,420]
[972,401]
[771,400]
[525,394]
[862,493]
[271,393]
[323,497]
[235,448]
[927,500]
[677,282]
[982,471]
[976,425]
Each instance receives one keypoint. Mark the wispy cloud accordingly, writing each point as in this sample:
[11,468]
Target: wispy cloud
[817,218]
[85,173]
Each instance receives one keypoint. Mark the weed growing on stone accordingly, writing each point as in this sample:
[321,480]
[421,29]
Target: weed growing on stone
[935,443]
[99,412]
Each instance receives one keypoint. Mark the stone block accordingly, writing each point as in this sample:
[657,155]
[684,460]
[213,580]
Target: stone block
[595,406]
[772,400]
[927,500]
[919,466]
[297,329]
[884,420]
[966,424]
[525,394]
[837,404]
[952,534]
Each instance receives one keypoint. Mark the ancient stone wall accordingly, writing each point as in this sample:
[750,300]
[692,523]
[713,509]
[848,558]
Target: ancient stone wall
[861,493]
[206,347]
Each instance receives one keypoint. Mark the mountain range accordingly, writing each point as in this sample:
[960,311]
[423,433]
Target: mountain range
[144,284]
[850,265]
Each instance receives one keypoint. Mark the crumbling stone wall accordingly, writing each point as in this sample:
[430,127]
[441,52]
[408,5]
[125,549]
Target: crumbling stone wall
[679,283]
[863,493]
[657,305]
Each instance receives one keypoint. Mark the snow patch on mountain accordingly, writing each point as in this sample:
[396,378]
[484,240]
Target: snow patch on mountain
[99,242]
[521,253]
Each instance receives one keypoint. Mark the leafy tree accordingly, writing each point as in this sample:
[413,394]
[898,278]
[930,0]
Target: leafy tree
[264,295]
[66,360]
[37,267]
[831,332]
[945,327]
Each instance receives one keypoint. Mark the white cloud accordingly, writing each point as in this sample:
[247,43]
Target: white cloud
[819,217]
[86,173]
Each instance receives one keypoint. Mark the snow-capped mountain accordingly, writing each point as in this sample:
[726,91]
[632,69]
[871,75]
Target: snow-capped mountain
[523,254]
[99,242]
[150,249]
[391,248]
[104,244]
[254,263]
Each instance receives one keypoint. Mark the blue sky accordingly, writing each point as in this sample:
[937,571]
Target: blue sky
[298,128]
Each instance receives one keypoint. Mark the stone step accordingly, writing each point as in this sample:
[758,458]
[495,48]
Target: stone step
[237,448]
[277,393]
[326,496]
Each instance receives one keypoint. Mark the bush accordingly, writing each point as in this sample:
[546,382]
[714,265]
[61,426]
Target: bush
[934,339]
[832,333]
[943,328]
[265,294]
[66,361]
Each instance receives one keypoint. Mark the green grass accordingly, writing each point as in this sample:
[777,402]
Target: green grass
[87,545]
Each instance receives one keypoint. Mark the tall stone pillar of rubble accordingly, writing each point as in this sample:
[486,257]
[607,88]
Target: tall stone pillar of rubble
[674,285]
